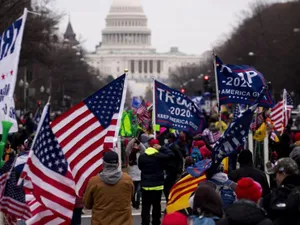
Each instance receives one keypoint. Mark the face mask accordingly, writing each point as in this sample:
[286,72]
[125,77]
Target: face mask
[166,141]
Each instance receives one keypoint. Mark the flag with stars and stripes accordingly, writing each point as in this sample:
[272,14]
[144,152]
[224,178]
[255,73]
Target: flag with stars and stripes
[241,84]
[235,135]
[281,113]
[143,115]
[89,129]
[236,111]
[12,197]
[48,183]
[175,110]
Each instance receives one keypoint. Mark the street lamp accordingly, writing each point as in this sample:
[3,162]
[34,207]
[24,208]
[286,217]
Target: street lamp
[251,54]
[78,53]
[42,89]
[25,85]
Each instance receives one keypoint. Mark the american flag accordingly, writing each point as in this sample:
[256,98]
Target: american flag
[48,183]
[143,115]
[236,111]
[12,197]
[281,113]
[89,129]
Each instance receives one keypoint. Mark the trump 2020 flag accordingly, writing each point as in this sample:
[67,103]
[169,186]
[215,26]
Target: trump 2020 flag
[10,48]
[235,135]
[241,84]
[89,129]
[176,110]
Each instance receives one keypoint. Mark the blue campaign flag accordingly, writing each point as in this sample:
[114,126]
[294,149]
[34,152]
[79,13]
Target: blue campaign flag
[198,100]
[199,168]
[176,110]
[235,135]
[136,102]
[241,84]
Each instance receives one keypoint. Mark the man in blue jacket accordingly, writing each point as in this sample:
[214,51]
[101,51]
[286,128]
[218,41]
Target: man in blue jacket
[151,165]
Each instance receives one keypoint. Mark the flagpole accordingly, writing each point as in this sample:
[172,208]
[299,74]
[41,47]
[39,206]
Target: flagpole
[154,110]
[217,90]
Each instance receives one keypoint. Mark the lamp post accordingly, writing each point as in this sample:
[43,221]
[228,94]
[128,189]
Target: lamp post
[24,85]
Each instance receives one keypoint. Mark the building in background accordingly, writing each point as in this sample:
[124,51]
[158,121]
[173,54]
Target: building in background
[126,44]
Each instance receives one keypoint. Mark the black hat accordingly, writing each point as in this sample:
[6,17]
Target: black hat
[111,157]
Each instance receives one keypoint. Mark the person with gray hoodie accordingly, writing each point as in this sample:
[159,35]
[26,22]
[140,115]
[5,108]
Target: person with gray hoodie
[109,194]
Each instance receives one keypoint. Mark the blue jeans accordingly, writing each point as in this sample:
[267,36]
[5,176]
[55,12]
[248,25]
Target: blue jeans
[137,194]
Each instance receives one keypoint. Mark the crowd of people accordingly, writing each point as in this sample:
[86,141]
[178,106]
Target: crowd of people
[242,196]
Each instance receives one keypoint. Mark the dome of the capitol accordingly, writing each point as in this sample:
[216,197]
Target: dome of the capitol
[126,3]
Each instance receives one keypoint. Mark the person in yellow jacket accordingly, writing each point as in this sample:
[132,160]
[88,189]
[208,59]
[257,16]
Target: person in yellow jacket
[151,165]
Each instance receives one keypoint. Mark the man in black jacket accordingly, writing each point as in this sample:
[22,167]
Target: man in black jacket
[282,205]
[174,165]
[151,165]
[247,170]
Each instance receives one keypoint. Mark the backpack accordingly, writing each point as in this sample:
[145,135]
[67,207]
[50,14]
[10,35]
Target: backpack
[227,194]
[196,155]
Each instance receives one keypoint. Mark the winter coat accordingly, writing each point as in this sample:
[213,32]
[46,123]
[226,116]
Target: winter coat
[133,170]
[284,216]
[249,171]
[109,196]
[244,212]
[174,164]
[152,166]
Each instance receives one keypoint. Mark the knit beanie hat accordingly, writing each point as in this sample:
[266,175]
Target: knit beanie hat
[248,189]
[297,137]
[245,157]
[153,142]
[175,218]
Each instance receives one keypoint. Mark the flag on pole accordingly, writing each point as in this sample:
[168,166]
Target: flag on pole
[234,136]
[89,129]
[12,197]
[143,115]
[48,183]
[281,113]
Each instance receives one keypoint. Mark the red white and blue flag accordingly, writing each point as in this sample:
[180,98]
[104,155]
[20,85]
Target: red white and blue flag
[12,197]
[89,129]
[48,182]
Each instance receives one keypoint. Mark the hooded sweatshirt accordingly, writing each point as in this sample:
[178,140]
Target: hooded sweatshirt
[109,196]
[110,173]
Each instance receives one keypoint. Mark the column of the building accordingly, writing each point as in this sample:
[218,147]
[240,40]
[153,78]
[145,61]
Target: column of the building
[154,67]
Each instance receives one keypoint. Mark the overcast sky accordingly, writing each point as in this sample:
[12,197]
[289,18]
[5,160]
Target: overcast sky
[192,25]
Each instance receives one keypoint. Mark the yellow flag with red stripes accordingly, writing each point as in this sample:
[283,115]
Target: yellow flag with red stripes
[182,190]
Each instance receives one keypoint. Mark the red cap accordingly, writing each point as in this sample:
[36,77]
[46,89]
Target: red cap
[175,218]
[248,189]
[153,142]
[199,144]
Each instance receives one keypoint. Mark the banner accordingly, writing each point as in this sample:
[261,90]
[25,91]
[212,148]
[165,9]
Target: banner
[176,110]
[10,48]
[241,84]
[136,102]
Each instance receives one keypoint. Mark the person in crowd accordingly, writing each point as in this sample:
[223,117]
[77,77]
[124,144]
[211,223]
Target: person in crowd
[173,166]
[295,154]
[9,152]
[19,137]
[133,151]
[212,133]
[223,185]
[109,194]
[282,204]
[247,169]
[187,162]
[175,218]
[286,139]
[152,167]
[206,205]
[77,212]
[246,210]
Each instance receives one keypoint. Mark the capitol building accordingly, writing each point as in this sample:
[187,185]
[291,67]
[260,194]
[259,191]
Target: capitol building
[126,44]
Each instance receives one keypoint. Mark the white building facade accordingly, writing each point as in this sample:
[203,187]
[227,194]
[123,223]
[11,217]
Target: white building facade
[126,44]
